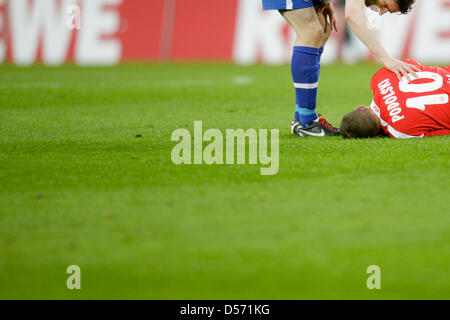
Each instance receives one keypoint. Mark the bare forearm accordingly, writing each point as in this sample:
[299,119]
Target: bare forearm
[356,19]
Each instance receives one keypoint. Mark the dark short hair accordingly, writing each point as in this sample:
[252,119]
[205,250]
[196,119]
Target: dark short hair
[358,124]
[405,5]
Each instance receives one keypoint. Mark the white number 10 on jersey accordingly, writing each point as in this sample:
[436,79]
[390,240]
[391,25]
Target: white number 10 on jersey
[421,102]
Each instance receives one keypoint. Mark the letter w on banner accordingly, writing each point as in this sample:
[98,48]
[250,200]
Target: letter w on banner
[39,31]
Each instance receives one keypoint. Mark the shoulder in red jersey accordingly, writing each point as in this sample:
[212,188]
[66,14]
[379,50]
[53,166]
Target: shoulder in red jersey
[412,108]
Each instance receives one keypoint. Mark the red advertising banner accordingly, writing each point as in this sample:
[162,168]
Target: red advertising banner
[205,31]
[111,31]
[141,28]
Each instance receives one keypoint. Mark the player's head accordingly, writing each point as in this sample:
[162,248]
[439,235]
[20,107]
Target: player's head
[392,6]
[405,6]
[361,123]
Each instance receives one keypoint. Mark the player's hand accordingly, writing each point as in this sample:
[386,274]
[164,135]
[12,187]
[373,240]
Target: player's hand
[327,10]
[401,69]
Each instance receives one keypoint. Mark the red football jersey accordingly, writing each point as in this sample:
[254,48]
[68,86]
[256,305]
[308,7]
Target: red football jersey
[417,108]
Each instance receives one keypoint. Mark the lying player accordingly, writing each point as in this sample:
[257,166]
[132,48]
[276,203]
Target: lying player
[404,109]
[312,21]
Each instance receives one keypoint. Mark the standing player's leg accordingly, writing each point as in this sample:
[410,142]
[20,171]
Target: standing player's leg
[305,67]
[304,63]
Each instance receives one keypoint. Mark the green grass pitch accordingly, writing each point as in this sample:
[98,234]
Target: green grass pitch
[78,187]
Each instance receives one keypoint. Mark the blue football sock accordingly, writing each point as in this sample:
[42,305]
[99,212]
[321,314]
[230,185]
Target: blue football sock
[305,73]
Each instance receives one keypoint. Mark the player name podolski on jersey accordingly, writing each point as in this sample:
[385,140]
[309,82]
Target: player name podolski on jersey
[233,139]
[414,108]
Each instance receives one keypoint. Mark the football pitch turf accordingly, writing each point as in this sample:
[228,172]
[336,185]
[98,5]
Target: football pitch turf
[87,179]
